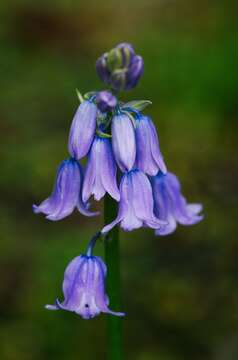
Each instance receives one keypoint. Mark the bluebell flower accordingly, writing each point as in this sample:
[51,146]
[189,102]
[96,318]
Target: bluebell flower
[100,174]
[66,195]
[170,204]
[120,68]
[84,288]
[123,141]
[105,101]
[148,155]
[136,203]
[82,130]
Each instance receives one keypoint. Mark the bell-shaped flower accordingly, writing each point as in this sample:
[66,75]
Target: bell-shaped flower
[170,205]
[82,130]
[123,141]
[148,155]
[84,288]
[66,195]
[136,204]
[100,173]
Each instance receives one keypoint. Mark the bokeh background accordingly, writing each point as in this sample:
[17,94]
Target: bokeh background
[180,292]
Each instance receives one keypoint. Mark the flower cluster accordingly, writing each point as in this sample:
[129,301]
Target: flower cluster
[124,160]
[128,142]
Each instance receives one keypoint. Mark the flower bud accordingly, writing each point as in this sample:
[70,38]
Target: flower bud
[105,101]
[120,68]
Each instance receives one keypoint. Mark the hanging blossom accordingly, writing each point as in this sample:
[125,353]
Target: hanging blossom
[82,130]
[170,204]
[66,195]
[136,204]
[84,287]
[148,155]
[123,141]
[100,174]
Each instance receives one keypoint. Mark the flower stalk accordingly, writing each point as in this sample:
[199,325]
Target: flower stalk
[112,260]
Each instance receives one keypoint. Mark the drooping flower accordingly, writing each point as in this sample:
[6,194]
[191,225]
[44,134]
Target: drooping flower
[66,195]
[120,68]
[170,204]
[100,174]
[148,155]
[84,288]
[123,141]
[105,101]
[136,203]
[82,130]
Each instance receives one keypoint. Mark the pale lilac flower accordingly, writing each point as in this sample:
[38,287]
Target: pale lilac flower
[123,141]
[171,206]
[105,101]
[84,288]
[100,174]
[82,130]
[148,155]
[66,195]
[136,203]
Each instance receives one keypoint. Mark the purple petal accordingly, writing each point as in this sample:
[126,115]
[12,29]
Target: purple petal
[129,221]
[169,228]
[179,205]
[65,194]
[90,174]
[142,200]
[123,141]
[155,148]
[69,187]
[71,276]
[100,175]
[82,129]
[101,68]
[134,72]
[109,170]
[144,158]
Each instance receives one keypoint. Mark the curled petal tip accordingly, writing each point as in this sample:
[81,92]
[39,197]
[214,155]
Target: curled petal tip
[35,209]
[51,307]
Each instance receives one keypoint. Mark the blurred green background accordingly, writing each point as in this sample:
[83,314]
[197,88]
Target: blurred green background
[180,292]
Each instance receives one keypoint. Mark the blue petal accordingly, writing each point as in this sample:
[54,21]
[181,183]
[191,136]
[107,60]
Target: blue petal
[123,141]
[82,130]
[65,194]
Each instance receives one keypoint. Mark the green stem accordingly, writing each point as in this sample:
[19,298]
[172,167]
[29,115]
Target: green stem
[112,258]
